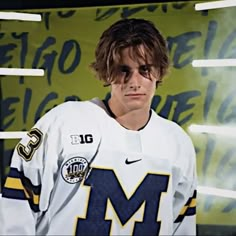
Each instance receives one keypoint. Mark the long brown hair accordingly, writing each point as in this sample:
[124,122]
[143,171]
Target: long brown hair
[130,33]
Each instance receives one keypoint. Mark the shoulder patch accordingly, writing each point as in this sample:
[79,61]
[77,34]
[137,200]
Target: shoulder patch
[74,170]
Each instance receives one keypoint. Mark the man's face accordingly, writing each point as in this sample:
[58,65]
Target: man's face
[135,84]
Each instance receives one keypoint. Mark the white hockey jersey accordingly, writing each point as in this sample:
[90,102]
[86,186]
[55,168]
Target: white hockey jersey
[79,172]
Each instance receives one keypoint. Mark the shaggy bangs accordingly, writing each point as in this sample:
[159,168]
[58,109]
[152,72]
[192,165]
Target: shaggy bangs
[140,53]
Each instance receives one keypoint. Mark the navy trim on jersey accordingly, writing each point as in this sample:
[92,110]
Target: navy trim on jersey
[190,210]
[17,186]
[13,193]
[109,109]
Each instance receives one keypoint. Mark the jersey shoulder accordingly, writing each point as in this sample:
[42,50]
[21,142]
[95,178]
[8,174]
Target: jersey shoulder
[173,133]
[170,127]
[72,110]
[178,142]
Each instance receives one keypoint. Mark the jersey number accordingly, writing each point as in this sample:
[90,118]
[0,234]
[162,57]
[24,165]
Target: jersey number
[26,152]
[106,187]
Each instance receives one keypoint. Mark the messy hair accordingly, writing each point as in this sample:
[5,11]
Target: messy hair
[132,33]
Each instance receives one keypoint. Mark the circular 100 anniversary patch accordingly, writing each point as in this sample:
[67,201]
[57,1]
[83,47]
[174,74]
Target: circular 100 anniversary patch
[74,169]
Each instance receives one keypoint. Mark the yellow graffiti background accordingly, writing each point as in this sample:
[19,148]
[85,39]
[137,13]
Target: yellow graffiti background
[188,95]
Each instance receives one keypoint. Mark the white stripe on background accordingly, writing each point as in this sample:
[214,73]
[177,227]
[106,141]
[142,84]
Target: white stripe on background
[21,72]
[214,63]
[215,5]
[12,134]
[20,16]
[216,192]
[229,131]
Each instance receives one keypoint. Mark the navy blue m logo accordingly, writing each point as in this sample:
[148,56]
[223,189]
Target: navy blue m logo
[106,186]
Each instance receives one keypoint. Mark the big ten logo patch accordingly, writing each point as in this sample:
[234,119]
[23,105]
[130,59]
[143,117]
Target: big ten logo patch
[74,169]
[81,138]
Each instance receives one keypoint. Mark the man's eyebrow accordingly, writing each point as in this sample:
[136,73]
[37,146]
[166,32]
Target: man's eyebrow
[123,66]
[128,67]
[147,64]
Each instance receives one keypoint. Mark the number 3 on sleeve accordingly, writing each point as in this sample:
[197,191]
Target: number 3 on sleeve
[26,152]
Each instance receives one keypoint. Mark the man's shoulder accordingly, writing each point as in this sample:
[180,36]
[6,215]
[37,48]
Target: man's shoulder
[73,107]
[175,135]
[164,122]
[170,127]
[72,110]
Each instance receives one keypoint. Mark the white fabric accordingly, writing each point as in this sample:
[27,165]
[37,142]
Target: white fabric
[124,173]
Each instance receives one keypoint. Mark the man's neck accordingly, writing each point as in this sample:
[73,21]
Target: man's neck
[132,120]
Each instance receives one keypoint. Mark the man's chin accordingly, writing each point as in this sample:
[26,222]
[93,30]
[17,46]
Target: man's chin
[136,105]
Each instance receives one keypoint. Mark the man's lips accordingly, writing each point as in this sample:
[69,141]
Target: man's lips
[134,94]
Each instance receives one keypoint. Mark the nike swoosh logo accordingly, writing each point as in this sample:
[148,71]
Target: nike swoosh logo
[127,162]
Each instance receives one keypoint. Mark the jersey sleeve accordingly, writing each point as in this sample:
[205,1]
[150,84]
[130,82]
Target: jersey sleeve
[186,193]
[27,189]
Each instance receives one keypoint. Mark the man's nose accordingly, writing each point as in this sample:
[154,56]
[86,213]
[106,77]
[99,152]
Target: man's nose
[135,79]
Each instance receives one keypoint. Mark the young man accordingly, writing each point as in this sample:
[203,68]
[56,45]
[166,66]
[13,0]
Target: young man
[107,167]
